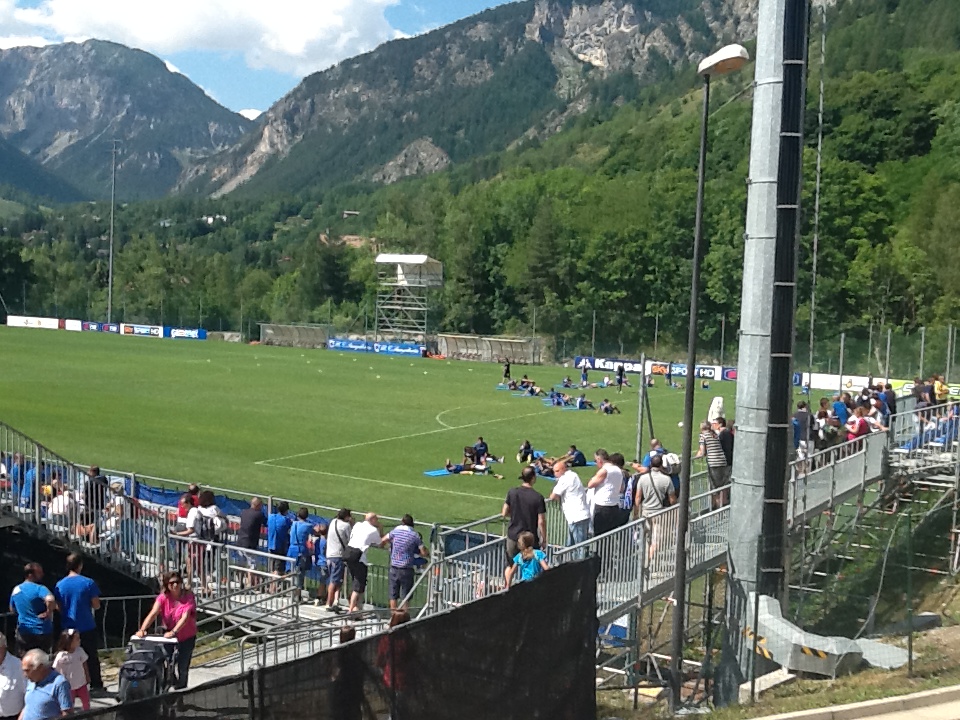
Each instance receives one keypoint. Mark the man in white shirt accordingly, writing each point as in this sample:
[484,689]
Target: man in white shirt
[13,683]
[365,534]
[606,485]
[571,494]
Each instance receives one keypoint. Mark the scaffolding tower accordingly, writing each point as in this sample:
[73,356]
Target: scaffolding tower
[402,304]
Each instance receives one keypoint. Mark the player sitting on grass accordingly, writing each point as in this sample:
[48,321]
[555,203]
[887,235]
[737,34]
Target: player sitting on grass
[525,453]
[608,408]
[575,457]
[535,391]
[584,404]
[482,454]
[470,468]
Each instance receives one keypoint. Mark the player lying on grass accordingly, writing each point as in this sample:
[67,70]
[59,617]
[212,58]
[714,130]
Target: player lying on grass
[523,383]
[544,466]
[469,468]
[608,408]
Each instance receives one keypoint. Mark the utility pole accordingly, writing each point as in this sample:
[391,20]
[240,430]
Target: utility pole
[113,202]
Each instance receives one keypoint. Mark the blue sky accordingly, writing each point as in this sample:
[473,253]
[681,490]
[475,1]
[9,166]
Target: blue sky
[245,53]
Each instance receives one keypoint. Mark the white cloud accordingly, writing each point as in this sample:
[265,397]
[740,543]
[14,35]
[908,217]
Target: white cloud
[251,114]
[290,36]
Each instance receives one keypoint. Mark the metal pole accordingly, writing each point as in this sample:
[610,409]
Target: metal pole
[946,372]
[593,336]
[816,197]
[870,352]
[656,334]
[680,584]
[886,366]
[641,401]
[113,202]
[923,344]
[909,595]
[843,337]
[201,312]
[723,335]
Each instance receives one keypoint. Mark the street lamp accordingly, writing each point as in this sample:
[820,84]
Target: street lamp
[727,59]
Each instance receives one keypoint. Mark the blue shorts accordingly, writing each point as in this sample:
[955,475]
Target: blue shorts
[335,568]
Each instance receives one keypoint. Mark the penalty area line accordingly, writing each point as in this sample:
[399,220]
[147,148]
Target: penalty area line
[382,482]
[367,443]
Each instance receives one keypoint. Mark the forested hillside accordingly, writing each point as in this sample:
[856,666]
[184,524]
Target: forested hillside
[599,217]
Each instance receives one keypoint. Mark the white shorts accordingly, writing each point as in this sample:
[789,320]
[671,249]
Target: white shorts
[805,449]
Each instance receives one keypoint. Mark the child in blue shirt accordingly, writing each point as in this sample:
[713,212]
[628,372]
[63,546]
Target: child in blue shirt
[529,562]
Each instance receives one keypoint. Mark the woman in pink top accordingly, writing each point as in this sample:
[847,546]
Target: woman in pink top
[177,609]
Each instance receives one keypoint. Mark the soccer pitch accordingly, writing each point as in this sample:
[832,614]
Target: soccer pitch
[339,429]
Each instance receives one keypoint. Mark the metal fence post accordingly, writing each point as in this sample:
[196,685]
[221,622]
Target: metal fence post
[886,367]
[843,338]
[946,372]
[909,594]
[923,347]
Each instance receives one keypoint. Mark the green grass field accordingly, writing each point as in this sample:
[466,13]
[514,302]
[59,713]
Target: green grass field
[319,426]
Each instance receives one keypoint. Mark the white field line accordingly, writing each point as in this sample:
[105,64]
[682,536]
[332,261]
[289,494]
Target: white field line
[446,428]
[442,413]
[386,482]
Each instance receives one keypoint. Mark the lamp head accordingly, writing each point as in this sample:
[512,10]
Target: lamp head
[727,59]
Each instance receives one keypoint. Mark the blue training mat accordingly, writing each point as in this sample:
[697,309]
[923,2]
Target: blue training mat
[437,473]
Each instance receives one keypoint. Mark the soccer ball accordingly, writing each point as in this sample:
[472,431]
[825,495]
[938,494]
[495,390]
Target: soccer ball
[680,424]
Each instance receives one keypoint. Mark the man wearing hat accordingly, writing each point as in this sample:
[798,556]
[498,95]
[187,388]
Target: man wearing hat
[527,512]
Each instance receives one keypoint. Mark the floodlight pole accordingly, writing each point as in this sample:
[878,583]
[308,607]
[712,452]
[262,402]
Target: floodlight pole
[680,578]
[113,202]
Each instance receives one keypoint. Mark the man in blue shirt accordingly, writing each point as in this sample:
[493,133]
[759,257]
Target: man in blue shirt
[48,692]
[78,597]
[840,409]
[405,546]
[575,457]
[278,534]
[34,605]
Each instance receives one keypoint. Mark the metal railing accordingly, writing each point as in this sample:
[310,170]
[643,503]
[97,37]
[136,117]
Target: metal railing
[282,644]
[638,557]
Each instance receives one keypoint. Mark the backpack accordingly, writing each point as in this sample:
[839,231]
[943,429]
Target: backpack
[143,674]
[671,463]
[208,528]
[629,493]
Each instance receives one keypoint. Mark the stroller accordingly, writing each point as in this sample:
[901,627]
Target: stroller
[148,670]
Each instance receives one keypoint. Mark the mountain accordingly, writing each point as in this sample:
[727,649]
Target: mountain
[473,87]
[61,105]
[28,176]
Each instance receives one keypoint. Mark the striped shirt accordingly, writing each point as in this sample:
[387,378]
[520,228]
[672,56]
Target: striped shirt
[711,445]
[405,544]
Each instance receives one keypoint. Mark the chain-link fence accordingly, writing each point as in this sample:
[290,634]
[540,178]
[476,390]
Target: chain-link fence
[878,352]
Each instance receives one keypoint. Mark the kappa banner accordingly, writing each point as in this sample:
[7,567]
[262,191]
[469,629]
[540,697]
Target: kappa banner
[22,321]
[653,367]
